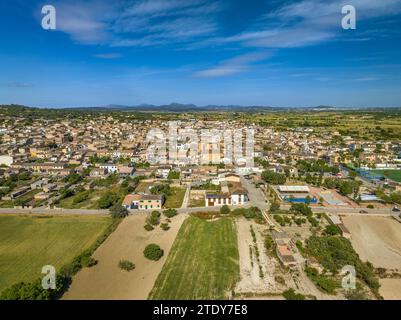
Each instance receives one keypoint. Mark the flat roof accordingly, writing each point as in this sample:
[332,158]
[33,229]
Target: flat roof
[293,188]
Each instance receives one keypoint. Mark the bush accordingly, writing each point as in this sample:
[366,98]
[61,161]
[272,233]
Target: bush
[301,208]
[118,211]
[81,197]
[334,252]
[107,200]
[88,261]
[332,230]
[153,218]
[126,265]
[225,209]
[274,207]
[169,213]
[269,242]
[291,295]
[153,252]
[161,189]
[273,177]
[148,227]
[165,226]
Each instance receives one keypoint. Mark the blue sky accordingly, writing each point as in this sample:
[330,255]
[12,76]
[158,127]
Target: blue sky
[260,52]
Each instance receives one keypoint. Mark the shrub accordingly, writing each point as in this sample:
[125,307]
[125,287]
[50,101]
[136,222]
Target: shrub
[165,226]
[225,209]
[280,280]
[148,227]
[88,261]
[161,189]
[153,252]
[118,211]
[81,197]
[273,177]
[107,200]
[126,265]
[291,295]
[332,230]
[269,242]
[301,208]
[153,218]
[370,206]
[169,213]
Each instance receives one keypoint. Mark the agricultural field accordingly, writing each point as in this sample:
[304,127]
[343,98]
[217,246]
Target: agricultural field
[175,199]
[203,263]
[27,243]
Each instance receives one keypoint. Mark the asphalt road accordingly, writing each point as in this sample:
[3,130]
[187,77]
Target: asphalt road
[256,196]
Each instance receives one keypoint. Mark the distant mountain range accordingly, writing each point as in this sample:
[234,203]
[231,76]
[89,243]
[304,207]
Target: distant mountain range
[179,108]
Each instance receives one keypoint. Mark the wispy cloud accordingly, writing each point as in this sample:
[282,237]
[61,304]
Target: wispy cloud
[364,79]
[309,22]
[17,84]
[107,55]
[190,22]
[142,23]
[233,66]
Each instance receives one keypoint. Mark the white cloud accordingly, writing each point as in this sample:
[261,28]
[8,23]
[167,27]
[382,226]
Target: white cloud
[233,66]
[143,23]
[309,22]
[107,55]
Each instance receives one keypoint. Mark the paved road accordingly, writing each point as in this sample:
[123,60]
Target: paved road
[346,210]
[256,196]
[102,212]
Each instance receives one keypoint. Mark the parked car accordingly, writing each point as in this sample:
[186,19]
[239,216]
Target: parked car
[363,211]
[395,209]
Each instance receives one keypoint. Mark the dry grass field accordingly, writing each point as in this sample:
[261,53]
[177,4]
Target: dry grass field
[106,280]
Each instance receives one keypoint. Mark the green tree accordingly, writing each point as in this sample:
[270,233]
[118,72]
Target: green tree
[118,211]
[273,177]
[153,252]
[332,230]
[169,213]
[107,200]
[225,209]
[290,294]
[154,218]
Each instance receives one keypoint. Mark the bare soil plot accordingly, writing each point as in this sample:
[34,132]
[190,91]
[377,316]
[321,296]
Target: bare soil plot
[390,289]
[251,281]
[106,280]
[376,239]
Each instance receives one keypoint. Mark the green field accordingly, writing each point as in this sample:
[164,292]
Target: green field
[27,243]
[391,174]
[203,263]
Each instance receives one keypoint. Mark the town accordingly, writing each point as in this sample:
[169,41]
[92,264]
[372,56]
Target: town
[317,177]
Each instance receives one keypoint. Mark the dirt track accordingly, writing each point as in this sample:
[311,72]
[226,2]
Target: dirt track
[106,280]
